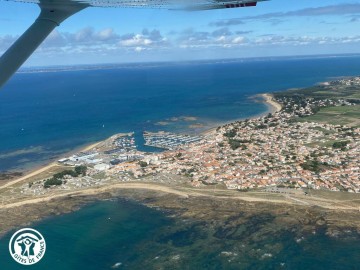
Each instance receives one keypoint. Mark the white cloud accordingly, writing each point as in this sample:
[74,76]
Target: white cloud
[139,49]
[136,40]
[239,40]
[107,42]
[106,34]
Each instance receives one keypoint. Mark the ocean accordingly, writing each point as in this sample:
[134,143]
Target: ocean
[44,115]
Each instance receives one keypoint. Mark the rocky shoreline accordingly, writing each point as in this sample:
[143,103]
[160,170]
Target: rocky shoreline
[223,215]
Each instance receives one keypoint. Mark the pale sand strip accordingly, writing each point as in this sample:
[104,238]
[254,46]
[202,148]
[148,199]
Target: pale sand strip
[151,187]
[330,204]
[91,146]
[94,191]
[268,99]
[274,106]
[43,169]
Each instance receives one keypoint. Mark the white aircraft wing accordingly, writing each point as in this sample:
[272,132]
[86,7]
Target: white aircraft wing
[166,4]
[54,12]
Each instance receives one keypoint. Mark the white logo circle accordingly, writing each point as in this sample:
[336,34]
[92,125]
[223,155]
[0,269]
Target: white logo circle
[27,246]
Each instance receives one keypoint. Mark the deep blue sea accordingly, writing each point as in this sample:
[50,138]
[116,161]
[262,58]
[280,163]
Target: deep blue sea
[43,115]
[46,114]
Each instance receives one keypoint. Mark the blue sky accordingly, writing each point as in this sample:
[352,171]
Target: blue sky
[109,35]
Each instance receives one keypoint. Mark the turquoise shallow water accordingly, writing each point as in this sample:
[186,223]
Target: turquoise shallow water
[105,233]
[44,115]
[95,237]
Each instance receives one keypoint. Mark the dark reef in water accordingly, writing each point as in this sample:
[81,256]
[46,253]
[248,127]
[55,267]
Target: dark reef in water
[217,233]
[9,175]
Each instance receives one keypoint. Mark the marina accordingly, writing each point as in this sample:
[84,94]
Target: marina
[168,140]
[121,148]
[117,149]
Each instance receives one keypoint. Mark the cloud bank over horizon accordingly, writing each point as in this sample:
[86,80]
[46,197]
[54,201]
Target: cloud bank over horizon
[313,30]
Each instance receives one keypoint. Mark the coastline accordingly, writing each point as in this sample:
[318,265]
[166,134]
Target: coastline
[41,168]
[273,105]
[189,204]
[207,221]
[158,195]
[266,98]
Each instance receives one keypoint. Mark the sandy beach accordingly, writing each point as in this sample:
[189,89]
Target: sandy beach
[38,170]
[267,98]
[28,175]
[273,105]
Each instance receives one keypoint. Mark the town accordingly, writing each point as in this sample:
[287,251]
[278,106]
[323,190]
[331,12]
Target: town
[279,150]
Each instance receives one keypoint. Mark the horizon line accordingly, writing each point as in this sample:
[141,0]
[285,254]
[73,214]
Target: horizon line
[53,68]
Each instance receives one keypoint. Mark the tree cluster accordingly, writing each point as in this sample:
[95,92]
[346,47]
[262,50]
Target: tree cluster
[57,179]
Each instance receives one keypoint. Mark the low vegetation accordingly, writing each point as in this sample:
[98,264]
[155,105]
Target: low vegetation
[322,91]
[314,166]
[340,144]
[143,164]
[340,115]
[58,178]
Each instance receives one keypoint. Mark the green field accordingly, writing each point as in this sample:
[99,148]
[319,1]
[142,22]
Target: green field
[342,115]
[324,91]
